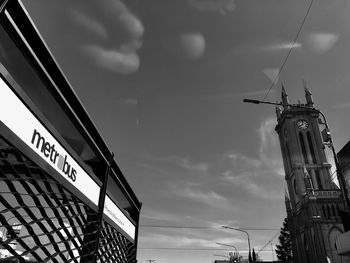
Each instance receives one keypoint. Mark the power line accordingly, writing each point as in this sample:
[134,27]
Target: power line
[180,248]
[194,249]
[268,242]
[171,226]
[207,227]
[290,51]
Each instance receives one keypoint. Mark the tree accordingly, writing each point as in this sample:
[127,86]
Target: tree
[284,249]
[254,256]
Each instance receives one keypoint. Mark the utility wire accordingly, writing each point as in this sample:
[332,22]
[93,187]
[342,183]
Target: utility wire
[194,249]
[206,227]
[290,51]
[267,243]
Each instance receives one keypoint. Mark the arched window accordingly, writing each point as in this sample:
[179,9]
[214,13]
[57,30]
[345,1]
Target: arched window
[295,186]
[312,151]
[324,211]
[288,155]
[303,149]
[318,179]
[333,210]
[328,211]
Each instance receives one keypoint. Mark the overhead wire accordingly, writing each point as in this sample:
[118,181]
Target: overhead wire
[268,242]
[289,52]
[199,249]
[206,227]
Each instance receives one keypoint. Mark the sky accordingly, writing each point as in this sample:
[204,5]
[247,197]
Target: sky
[164,82]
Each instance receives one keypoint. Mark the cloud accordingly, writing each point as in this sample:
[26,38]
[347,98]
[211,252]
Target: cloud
[272,74]
[248,182]
[223,6]
[210,198]
[269,150]
[179,162]
[181,240]
[258,175]
[189,45]
[342,105]
[112,60]
[280,46]
[193,45]
[321,42]
[159,215]
[196,167]
[89,24]
[132,24]
[130,101]
[119,35]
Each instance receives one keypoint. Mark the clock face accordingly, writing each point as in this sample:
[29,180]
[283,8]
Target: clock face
[302,124]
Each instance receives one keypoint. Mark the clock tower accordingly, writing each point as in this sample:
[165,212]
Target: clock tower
[313,202]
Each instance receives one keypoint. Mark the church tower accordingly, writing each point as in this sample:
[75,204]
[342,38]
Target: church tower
[314,201]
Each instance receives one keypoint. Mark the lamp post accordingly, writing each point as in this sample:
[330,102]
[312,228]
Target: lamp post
[228,246]
[241,230]
[340,175]
[220,256]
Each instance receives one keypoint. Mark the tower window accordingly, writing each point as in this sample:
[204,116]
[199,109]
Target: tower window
[288,154]
[324,211]
[318,179]
[312,151]
[333,210]
[303,148]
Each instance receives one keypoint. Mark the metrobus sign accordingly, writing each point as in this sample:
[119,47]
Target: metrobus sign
[35,135]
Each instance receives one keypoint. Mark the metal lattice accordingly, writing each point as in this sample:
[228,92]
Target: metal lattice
[40,221]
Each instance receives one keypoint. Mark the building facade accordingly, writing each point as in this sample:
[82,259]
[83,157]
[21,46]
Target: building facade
[344,161]
[63,198]
[343,241]
[314,202]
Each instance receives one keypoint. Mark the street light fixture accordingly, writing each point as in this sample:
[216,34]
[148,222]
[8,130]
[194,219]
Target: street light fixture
[220,256]
[241,230]
[228,246]
[340,176]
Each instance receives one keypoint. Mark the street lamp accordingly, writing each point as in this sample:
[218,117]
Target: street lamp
[340,176]
[220,256]
[228,246]
[241,230]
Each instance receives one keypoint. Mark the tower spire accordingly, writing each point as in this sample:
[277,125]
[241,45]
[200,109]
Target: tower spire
[285,100]
[308,96]
[278,112]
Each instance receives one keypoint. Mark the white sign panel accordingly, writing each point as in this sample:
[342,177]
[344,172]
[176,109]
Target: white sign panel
[114,213]
[17,117]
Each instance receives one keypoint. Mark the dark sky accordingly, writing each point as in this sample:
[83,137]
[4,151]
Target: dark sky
[164,81]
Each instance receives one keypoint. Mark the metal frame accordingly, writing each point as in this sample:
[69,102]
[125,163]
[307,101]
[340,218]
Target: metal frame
[103,235]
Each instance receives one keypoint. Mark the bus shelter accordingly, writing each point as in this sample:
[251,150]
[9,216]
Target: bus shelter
[62,196]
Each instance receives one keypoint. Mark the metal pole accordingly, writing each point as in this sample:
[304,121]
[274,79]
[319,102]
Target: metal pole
[273,257]
[220,256]
[228,246]
[241,230]
[101,204]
